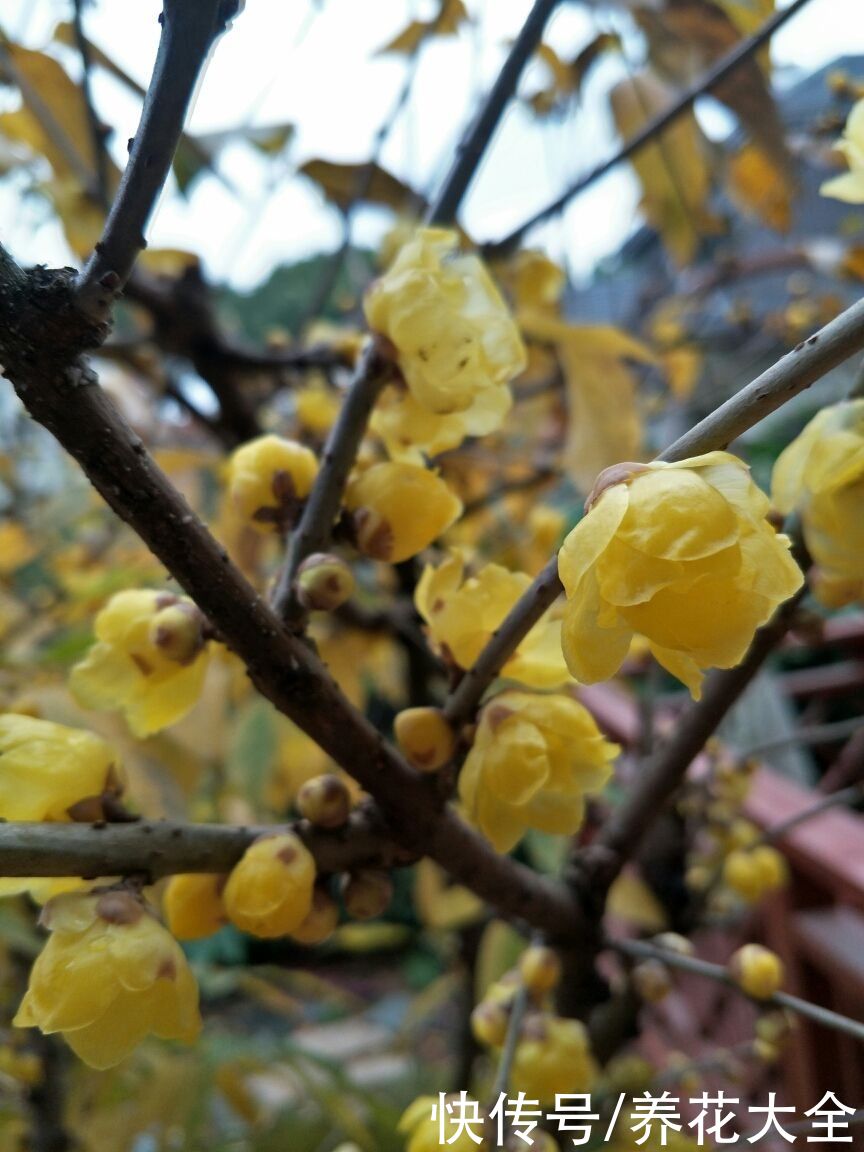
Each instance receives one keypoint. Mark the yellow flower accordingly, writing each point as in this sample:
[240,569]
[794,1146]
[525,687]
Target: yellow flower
[399,509]
[49,772]
[552,1058]
[850,186]
[758,971]
[193,905]
[821,476]
[423,1126]
[533,760]
[752,873]
[109,975]
[269,893]
[268,478]
[455,339]
[681,553]
[462,615]
[411,432]
[46,769]
[137,667]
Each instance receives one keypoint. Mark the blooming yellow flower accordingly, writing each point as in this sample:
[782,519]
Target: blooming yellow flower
[49,772]
[269,893]
[411,432]
[850,186]
[821,476]
[423,1127]
[193,905]
[109,975]
[46,769]
[454,337]
[681,553]
[399,509]
[268,478]
[553,1057]
[138,667]
[463,613]
[533,760]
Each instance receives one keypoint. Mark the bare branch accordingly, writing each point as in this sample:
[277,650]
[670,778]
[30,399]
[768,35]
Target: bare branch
[742,52]
[620,838]
[544,591]
[313,532]
[812,359]
[97,130]
[641,950]
[470,152]
[189,31]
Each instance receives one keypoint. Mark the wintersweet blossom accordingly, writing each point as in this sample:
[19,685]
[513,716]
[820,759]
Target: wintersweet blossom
[681,553]
[821,476]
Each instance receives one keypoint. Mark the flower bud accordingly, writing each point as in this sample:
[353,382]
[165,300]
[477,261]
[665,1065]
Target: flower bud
[323,582]
[321,921]
[367,893]
[489,1022]
[325,801]
[674,942]
[193,905]
[652,980]
[268,478]
[269,893]
[540,969]
[177,630]
[426,738]
[758,971]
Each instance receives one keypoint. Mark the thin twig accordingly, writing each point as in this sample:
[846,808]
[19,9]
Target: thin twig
[189,31]
[742,52]
[815,734]
[313,532]
[641,950]
[445,206]
[97,130]
[620,838]
[812,359]
[544,591]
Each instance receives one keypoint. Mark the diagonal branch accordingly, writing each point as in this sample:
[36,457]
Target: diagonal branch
[470,152]
[742,52]
[41,335]
[795,372]
[189,31]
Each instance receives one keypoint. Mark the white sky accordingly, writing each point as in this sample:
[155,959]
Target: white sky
[313,64]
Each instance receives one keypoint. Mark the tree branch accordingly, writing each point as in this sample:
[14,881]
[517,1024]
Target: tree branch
[97,131]
[445,206]
[742,52]
[158,848]
[313,532]
[189,31]
[41,335]
[795,372]
[620,838]
[465,698]
[641,950]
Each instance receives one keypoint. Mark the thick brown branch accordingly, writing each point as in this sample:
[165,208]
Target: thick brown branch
[188,33]
[164,848]
[41,333]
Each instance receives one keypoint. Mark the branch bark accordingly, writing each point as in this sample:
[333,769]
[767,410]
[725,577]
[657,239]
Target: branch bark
[189,31]
[470,152]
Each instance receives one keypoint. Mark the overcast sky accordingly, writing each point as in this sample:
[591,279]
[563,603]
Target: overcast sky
[314,65]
